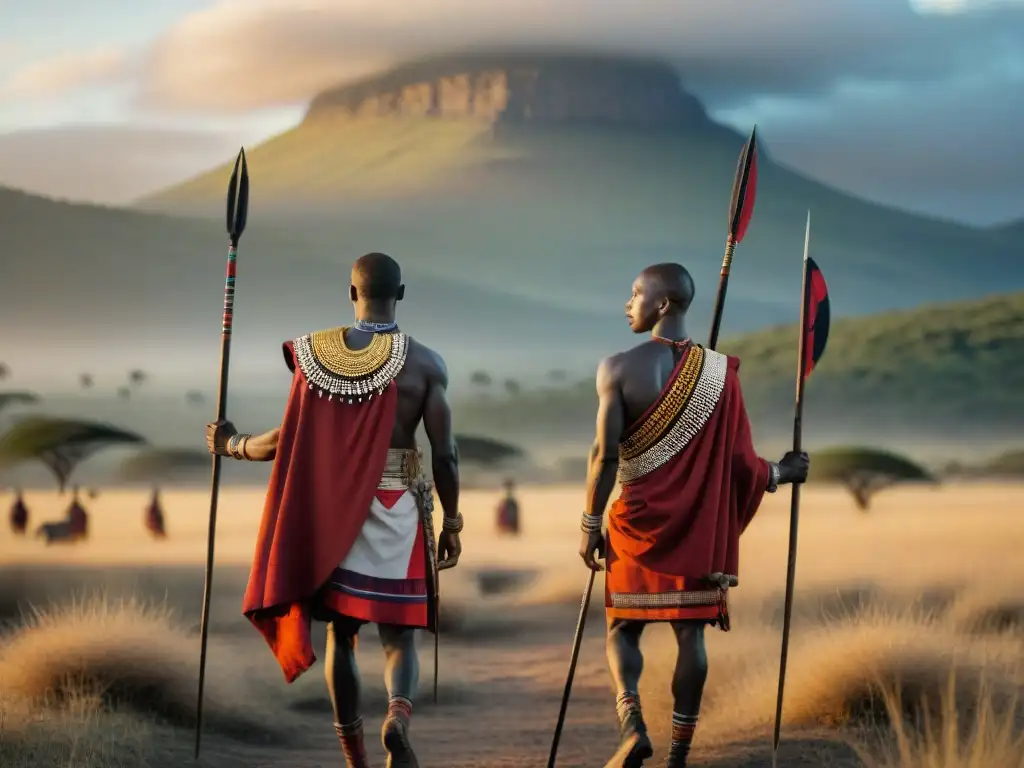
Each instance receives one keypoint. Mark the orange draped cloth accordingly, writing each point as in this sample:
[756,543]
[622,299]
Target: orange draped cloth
[329,460]
[691,482]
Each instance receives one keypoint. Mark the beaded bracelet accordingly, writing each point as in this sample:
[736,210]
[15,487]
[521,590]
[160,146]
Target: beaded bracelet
[773,477]
[591,523]
[234,451]
[452,525]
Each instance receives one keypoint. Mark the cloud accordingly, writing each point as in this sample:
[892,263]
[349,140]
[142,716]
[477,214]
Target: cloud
[67,72]
[946,148]
[238,55]
[959,6]
[242,54]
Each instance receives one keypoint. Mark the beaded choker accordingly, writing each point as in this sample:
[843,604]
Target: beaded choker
[352,375]
[369,327]
[671,342]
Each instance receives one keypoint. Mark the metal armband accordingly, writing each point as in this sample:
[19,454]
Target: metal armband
[774,473]
[591,523]
[452,524]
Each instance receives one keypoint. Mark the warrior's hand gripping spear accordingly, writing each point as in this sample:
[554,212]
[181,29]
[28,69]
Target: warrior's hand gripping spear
[238,204]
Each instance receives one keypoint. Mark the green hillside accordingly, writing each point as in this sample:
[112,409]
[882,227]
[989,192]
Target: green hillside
[941,371]
[103,290]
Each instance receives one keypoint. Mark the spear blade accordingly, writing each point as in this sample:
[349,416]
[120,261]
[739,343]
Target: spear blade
[238,198]
[744,190]
[741,209]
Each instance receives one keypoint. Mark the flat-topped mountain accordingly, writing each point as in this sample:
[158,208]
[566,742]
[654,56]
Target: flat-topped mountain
[557,177]
[520,88]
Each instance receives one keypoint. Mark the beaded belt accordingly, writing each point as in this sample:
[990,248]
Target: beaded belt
[401,469]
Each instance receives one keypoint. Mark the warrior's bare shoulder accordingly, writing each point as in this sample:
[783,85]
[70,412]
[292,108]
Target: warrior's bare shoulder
[427,362]
[614,368]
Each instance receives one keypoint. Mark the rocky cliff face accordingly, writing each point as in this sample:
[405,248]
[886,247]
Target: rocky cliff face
[524,89]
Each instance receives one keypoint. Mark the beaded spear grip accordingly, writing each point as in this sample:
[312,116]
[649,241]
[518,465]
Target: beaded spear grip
[229,292]
[730,249]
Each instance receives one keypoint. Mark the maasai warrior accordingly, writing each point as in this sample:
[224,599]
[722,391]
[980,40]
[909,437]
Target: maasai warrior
[672,428]
[155,516]
[347,531]
[77,518]
[508,511]
[19,514]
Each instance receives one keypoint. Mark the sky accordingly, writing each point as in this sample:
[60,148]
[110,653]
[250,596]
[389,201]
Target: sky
[913,104]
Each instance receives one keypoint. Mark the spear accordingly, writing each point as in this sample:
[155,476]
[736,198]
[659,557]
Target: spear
[238,204]
[573,659]
[814,324]
[741,209]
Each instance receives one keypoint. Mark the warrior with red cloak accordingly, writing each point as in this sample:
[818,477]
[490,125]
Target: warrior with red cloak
[347,529]
[673,431]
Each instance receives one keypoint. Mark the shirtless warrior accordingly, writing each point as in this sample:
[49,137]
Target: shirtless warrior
[347,531]
[672,428]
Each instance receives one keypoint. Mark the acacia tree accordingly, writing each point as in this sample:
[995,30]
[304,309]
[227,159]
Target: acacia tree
[1006,465]
[865,471]
[59,444]
[485,450]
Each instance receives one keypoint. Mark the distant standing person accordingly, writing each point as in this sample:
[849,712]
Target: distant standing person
[155,516]
[508,511]
[347,530]
[673,430]
[77,518]
[19,514]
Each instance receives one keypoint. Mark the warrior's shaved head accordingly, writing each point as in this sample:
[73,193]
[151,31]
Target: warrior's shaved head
[376,277]
[675,283]
[660,291]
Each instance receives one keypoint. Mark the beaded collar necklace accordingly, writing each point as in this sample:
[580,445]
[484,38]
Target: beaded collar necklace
[370,327]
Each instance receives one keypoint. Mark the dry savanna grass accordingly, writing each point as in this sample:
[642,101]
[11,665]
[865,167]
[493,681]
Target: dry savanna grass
[91,681]
[991,737]
[906,651]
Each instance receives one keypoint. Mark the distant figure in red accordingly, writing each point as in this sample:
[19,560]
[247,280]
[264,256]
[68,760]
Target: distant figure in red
[508,511]
[155,516]
[19,515]
[78,518]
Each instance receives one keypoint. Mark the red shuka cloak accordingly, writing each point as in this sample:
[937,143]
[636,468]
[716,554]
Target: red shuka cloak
[682,521]
[330,457]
